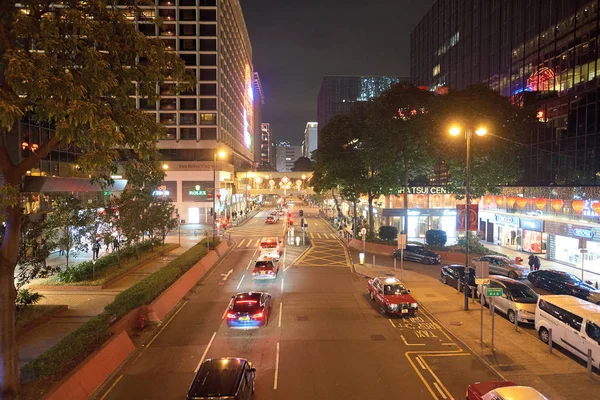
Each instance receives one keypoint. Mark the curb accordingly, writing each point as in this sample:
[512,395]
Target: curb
[42,320]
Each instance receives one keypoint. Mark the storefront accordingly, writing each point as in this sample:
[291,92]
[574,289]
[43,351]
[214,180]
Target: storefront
[507,234]
[575,245]
[422,220]
[532,236]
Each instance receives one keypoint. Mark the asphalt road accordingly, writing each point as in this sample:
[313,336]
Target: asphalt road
[325,339]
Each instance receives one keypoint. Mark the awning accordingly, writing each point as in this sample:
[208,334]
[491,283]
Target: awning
[46,184]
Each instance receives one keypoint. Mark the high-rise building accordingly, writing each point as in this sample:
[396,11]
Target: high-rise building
[338,94]
[535,53]
[267,150]
[217,114]
[311,139]
[286,156]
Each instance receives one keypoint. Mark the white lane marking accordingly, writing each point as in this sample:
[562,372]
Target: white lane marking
[111,387]
[281,285]
[280,312]
[241,280]
[205,352]
[440,390]
[250,263]
[421,362]
[225,276]
[226,309]
[276,367]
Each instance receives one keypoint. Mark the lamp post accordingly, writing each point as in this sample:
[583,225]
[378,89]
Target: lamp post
[285,180]
[455,131]
[221,154]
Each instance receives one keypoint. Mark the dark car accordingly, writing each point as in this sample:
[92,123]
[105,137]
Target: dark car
[223,378]
[249,310]
[453,273]
[419,254]
[559,282]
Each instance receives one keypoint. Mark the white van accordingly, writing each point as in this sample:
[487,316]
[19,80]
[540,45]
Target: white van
[575,324]
[270,247]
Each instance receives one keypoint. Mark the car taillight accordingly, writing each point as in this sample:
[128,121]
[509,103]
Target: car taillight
[230,316]
[270,272]
[258,315]
[254,273]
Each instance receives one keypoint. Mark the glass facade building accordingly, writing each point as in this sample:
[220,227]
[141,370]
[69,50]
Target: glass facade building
[534,52]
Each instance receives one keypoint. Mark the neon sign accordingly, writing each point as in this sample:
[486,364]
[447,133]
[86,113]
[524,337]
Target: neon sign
[542,80]
[248,110]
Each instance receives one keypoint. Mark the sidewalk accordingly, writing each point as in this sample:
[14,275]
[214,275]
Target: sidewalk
[518,356]
[86,304]
[546,264]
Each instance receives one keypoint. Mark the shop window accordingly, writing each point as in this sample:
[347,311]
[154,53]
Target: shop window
[208,59]
[208,74]
[208,90]
[208,133]
[187,104]
[187,15]
[187,44]
[188,133]
[187,30]
[208,119]
[208,44]
[208,104]
[208,30]
[168,104]
[187,119]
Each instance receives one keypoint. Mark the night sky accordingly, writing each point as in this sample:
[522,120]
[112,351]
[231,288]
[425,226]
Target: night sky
[295,43]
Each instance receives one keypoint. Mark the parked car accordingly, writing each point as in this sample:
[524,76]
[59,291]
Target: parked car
[249,310]
[517,299]
[559,282]
[502,390]
[453,273]
[500,265]
[223,378]
[418,253]
[391,294]
[574,323]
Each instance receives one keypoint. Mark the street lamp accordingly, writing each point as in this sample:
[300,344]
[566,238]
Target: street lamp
[455,131]
[221,154]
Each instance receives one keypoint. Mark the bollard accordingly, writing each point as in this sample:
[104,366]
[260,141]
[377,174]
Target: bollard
[373,259]
[516,320]
[395,262]
[473,293]
[550,340]
[589,363]
[458,285]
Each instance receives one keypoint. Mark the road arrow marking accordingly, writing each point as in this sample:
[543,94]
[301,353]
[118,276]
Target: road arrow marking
[225,276]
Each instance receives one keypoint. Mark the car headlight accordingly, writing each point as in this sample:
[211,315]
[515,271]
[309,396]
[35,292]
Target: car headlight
[525,312]
[414,305]
[393,306]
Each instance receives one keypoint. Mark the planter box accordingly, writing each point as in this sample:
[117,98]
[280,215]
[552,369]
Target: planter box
[91,373]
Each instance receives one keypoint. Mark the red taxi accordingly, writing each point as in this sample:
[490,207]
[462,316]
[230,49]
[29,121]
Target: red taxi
[391,294]
[502,390]
[265,268]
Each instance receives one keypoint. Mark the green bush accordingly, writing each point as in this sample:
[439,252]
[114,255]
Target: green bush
[69,351]
[388,232]
[85,271]
[436,237]
[27,298]
[152,286]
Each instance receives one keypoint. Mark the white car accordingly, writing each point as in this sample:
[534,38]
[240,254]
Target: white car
[517,301]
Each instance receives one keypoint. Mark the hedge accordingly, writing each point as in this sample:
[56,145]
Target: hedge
[79,344]
[85,271]
[152,286]
[436,237]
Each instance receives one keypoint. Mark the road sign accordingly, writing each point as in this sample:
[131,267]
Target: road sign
[402,241]
[493,292]
[482,269]
[482,281]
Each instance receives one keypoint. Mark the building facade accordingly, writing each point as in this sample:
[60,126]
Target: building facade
[286,155]
[338,94]
[534,52]
[311,139]
[216,115]
[267,150]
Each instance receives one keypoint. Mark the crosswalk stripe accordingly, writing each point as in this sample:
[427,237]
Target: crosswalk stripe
[241,243]
[257,242]
[312,236]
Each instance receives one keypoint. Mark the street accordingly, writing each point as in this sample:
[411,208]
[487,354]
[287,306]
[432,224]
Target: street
[325,338]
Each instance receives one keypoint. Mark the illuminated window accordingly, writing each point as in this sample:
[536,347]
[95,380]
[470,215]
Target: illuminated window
[436,70]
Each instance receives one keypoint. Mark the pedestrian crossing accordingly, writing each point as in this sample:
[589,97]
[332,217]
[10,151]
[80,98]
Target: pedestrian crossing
[321,235]
[248,244]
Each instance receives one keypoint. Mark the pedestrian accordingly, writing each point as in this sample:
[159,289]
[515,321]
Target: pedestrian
[107,242]
[116,244]
[531,262]
[95,250]
[537,263]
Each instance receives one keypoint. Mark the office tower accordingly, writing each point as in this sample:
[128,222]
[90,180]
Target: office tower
[311,139]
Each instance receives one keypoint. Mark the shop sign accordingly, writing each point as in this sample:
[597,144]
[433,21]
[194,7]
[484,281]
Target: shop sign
[507,219]
[583,233]
[197,191]
[166,189]
[472,218]
[532,225]
[424,190]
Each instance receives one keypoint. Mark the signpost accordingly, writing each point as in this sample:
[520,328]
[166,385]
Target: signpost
[491,293]
[482,272]
[402,247]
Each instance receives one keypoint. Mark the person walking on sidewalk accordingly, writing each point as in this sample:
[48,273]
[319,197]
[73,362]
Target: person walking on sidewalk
[536,263]
[116,245]
[531,262]
[95,250]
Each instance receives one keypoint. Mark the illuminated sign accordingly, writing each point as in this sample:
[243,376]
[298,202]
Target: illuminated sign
[198,191]
[583,233]
[248,110]
[506,219]
[541,80]
[166,189]
[425,190]
[532,225]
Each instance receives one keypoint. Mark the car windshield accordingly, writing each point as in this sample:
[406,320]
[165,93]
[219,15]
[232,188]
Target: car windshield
[394,289]
[524,295]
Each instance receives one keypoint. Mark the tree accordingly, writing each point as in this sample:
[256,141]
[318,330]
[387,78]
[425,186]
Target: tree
[302,164]
[162,215]
[77,73]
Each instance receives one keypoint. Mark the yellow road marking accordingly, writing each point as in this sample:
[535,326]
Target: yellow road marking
[111,387]
[241,243]
[420,376]
[257,242]
[392,322]
[419,357]
[312,236]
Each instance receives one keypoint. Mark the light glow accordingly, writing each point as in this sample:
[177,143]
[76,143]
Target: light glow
[481,131]
[455,131]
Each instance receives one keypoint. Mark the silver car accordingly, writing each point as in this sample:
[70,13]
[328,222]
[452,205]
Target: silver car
[500,265]
[517,301]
